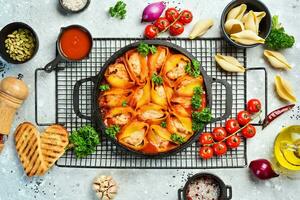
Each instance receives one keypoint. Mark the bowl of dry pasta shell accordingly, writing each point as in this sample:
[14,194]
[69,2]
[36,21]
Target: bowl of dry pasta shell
[152,98]
[246,23]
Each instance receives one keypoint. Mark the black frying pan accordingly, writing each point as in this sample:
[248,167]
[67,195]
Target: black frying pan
[96,115]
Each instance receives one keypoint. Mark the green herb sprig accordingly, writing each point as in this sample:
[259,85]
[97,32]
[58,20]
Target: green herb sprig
[119,10]
[200,118]
[112,131]
[84,141]
[197,98]
[193,69]
[157,80]
[144,49]
[163,124]
[177,138]
[124,103]
[104,87]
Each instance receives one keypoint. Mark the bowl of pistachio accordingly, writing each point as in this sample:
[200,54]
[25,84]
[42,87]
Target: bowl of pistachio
[18,43]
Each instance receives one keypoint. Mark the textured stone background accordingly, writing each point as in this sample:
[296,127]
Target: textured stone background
[62,183]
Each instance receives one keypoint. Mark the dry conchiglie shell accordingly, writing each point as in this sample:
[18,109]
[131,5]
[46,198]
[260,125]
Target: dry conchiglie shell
[258,17]
[201,28]
[247,37]
[233,26]
[250,22]
[284,89]
[277,60]
[229,63]
[237,12]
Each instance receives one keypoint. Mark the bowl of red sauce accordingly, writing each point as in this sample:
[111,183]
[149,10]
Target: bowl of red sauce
[74,43]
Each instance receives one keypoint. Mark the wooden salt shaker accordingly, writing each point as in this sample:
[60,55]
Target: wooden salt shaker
[13,91]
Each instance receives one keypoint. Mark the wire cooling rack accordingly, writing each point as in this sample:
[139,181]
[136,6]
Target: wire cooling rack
[107,155]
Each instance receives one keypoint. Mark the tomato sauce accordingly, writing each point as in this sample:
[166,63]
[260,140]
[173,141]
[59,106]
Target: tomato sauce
[75,43]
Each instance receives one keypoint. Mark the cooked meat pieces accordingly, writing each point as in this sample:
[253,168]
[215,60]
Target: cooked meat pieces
[135,62]
[152,114]
[136,138]
[160,91]
[118,70]
[121,119]
[177,71]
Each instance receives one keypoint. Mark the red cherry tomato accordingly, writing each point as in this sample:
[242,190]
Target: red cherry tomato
[151,31]
[162,23]
[206,152]
[253,106]
[206,138]
[219,133]
[186,17]
[249,131]
[176,29]
[233,141]
[243,117]
[220,148]
[172,14]
[232,126]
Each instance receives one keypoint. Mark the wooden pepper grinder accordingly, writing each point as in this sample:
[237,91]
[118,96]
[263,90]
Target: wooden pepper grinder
[13,91]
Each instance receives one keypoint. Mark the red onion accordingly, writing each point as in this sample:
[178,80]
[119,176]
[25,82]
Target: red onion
[262,169]
[153,11]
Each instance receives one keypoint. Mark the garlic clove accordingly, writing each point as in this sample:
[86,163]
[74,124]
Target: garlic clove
[229,63]
[247,37]
[277,60]
[237,12]
[233,26]
[200,28]
[284,89]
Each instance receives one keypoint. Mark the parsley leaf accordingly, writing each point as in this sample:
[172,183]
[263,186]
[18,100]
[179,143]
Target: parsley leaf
[177,138]
[197,98]
[200,118]
[144,49]
[193,69]
[119,10]
[84,141]
[112,131]
[124,103]
[104,87]
[163,124]
[157,80]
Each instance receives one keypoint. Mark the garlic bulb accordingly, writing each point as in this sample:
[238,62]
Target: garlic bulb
[229,63]
[233,26]
[105,187]
[284,89]
[277,60]
[200,28]
[247,37]
[237,12]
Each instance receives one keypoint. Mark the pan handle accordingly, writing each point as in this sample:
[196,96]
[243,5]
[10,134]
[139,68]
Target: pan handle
[228,107]
[76,97]
[180,191]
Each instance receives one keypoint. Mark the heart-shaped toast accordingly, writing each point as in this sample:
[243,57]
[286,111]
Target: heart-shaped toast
[38,152]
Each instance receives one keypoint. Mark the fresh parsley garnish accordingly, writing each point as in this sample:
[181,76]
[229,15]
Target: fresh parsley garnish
[193,69]
[119,10]
[124,103]
[112,131]
[163,124]
[84,141]
[177,138]
[144,49]
[104,87]
[197,98]
[157,80]
[200,118]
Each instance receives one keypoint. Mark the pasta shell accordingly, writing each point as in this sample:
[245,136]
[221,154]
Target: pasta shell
[229,63]
[152,113]
[158,95]
[258,17]
[137,66]
[179,124]
[158,59]
[200,28]
[184,86]
[114,97]
[237,12]
[233,26]
[250,22]
[119,116]
[141,96]
[277,60]
[247,37]
[284,89]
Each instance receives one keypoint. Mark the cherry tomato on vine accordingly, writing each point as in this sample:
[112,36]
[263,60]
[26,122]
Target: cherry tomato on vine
[219,133]
[232,126]
[151,31]
[243,117]
[253,106]
[233,141]
[220,148]
[206,152]
[172,14]
[206,138]
[186,17]
[162,23]
[176,29]
[249,131]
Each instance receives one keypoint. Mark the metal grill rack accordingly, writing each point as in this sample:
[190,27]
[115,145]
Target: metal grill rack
[107,154]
